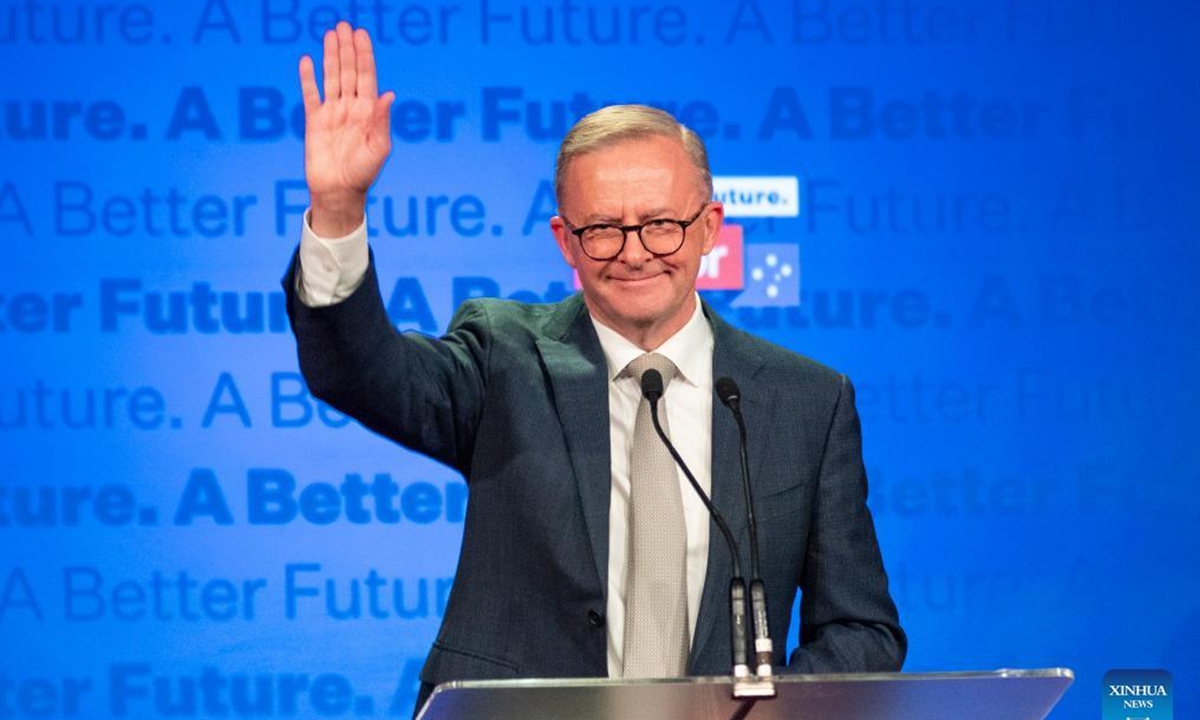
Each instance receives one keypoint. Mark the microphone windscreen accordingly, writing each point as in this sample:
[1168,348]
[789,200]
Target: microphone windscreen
[652,385]
[727,391]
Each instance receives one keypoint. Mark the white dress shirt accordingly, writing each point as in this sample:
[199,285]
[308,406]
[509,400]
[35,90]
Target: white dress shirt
[332,269]
[688,400]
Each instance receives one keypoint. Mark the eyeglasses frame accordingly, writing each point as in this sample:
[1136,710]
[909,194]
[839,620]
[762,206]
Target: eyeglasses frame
[626,229]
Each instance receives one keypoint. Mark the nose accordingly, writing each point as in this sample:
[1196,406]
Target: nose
[633,252]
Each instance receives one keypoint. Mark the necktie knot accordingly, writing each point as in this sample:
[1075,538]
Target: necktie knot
[651,361]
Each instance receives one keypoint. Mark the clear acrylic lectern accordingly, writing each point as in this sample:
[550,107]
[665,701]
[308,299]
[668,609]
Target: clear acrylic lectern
[997,695]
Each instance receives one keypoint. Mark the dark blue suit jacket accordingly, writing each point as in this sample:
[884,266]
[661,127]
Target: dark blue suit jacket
[515,397]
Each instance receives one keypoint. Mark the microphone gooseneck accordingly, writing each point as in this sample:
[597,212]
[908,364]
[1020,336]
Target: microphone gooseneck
[731,397]
[764,650]
[652,391]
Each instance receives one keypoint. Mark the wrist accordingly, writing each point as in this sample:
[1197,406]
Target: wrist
[337,215]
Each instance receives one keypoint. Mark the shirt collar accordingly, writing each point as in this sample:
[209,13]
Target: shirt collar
[690,348]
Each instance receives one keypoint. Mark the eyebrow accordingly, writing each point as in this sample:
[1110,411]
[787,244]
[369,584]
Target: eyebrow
[651,214]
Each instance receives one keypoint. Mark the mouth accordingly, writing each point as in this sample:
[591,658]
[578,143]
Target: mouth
[639,280]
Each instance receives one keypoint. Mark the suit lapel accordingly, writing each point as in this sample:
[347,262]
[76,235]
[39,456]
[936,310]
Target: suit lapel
[732,357]
[578,374]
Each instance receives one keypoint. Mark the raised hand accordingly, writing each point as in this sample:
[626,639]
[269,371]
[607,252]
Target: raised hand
[347,137]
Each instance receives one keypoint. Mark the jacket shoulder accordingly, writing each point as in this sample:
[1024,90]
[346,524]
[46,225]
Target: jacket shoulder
[512,319]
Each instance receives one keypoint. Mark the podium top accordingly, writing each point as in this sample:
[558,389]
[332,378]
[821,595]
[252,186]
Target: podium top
[995,695]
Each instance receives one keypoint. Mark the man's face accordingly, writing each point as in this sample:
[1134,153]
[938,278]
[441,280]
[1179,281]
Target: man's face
[644,297]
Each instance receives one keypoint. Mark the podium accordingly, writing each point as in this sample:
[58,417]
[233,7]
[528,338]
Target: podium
[996,695]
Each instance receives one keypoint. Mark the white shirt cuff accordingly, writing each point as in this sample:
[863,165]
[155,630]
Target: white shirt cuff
[330,269]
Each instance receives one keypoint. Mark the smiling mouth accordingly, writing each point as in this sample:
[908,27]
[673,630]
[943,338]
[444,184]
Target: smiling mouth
[635,280]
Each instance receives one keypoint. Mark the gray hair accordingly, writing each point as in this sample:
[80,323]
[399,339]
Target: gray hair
[616,123]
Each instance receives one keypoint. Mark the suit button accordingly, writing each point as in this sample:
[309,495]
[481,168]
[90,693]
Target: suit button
[595,619]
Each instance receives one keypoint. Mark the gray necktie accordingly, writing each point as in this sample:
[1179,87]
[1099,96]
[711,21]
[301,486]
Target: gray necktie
[656,615]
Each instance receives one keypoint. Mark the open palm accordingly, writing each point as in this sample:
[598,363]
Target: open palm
[346,137]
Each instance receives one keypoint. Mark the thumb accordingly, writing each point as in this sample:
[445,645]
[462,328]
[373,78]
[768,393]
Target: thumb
[383,106]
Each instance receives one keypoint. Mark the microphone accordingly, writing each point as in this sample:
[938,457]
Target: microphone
[731,397]
[652,388]
[652,391]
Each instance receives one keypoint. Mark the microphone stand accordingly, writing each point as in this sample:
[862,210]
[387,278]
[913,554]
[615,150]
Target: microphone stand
[745,684]
[730,396]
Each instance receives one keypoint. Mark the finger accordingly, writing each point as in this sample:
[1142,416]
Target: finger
[365,59]
[383,110]
[345,41]
[333,81]
[308,86]
[384,103]
[382,121]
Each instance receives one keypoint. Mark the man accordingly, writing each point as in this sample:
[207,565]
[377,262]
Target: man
[583,555]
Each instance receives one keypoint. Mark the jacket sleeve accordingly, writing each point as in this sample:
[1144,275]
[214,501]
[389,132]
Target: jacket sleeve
[424,393]
[848,620]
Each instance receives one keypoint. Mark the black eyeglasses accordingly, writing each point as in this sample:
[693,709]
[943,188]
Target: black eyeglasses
[661,236]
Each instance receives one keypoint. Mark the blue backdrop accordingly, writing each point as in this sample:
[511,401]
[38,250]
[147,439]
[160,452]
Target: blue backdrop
[983,212]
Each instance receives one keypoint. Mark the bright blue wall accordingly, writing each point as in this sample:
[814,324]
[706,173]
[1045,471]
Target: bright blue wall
[1003,260]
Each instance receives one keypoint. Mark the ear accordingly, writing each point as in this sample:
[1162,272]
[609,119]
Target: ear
[713,218]
[564,238]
